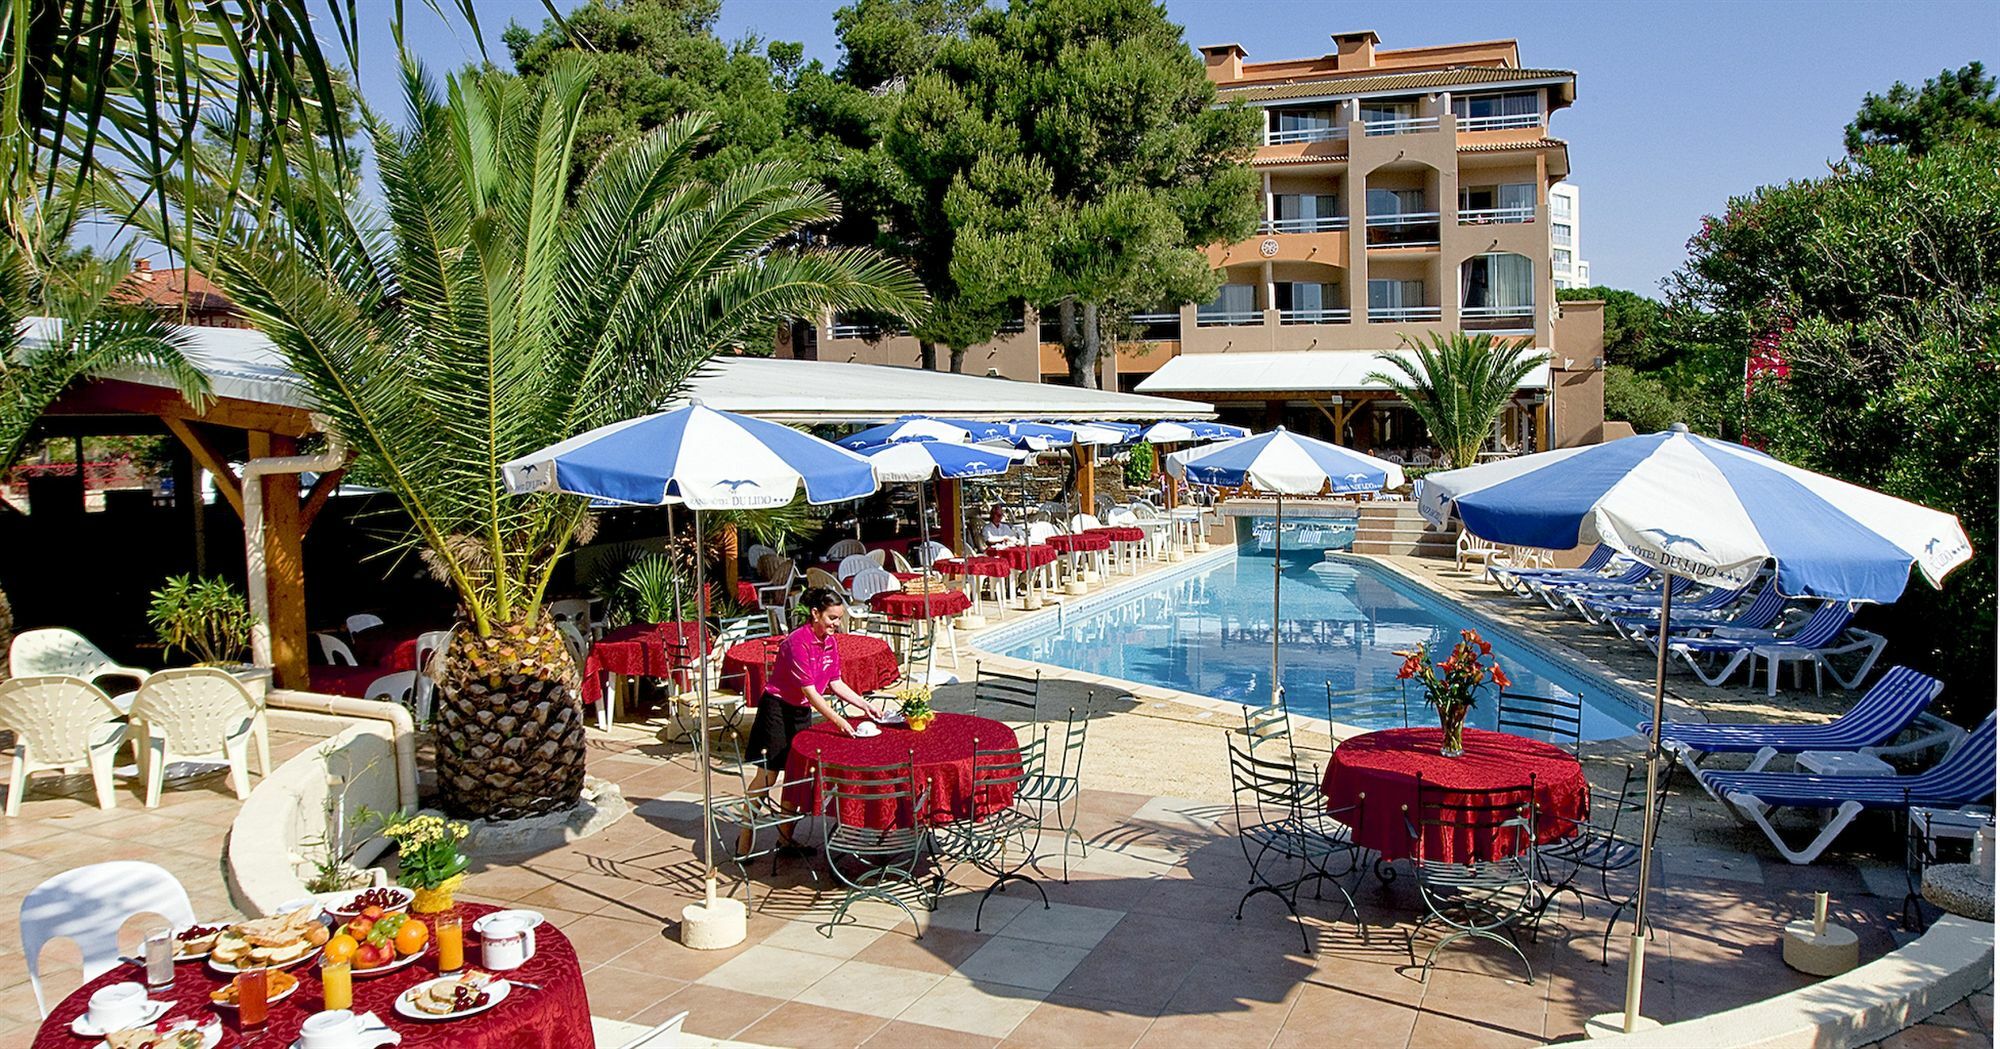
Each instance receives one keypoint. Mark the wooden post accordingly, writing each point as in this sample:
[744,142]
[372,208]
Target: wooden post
[731,554]
[1086,478]
[284,562]
[951,514]
[1542,442]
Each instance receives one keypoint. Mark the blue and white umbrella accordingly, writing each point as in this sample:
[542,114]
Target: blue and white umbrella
[1707,510]
[918,461]
[1189,431]
[709,460]
[923,428]
[1283,463]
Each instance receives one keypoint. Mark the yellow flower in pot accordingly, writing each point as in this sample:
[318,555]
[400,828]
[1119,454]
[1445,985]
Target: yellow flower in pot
[915,702]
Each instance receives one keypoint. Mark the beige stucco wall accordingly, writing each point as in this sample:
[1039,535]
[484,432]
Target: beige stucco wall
[1577,373]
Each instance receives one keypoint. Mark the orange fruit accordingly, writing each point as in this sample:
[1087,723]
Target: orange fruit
[341,948]
[410,938]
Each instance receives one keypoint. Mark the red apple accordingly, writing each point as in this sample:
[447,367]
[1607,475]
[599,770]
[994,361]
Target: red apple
[369,956]
[372,912]
[359,927]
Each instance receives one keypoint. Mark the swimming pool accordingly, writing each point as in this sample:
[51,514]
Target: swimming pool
[1207,631]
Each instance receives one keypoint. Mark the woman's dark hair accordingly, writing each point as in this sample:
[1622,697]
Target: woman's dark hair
[819,598]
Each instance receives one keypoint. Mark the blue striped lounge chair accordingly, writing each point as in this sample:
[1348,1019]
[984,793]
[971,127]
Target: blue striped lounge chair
[1598,605]
[1815,642]
[1762,611]
[1964,777]
[1895,703]
[1513,579]
[1556,594]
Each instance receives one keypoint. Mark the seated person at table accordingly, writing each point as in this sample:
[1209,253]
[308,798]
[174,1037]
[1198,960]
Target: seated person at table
[806,678]
[998,532]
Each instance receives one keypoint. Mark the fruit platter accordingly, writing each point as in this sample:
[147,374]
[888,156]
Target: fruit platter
[279,942]
[376,942]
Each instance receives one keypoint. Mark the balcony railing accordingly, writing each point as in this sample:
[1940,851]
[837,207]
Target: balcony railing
[1485,216]
[1304,134]
[1401,125]
[854,331]
[1515,120]
[1497,318]
[1320,224]
[1395,314]
[1219,318]
[1314,316]
[1154,327]
[1417,228]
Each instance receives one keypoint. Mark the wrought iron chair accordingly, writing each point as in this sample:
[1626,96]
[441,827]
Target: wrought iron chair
[749,809]
[1059,794]
[993,688]
[1273,826]
[913,644]
[1372,707]
[1475,898]
[889,860]
[1267,733]
[1604,847]
[1002,843]
[1557,718]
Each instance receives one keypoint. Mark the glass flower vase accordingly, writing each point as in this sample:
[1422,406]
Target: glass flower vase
[1452,720]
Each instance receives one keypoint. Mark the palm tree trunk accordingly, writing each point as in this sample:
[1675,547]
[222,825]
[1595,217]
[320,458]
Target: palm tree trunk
[6,630]
[509,723]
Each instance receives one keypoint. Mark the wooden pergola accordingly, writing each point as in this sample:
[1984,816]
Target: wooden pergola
[211,435]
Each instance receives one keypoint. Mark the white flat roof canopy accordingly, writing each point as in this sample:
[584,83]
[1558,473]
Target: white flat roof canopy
[834,391]
[1285,371]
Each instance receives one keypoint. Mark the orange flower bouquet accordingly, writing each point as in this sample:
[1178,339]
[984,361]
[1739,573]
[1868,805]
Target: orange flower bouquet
[1452,687]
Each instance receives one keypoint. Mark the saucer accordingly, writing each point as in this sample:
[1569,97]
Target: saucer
[867,730]
[148,1013]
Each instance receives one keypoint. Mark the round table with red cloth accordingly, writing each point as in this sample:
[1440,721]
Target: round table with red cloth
[1119,533]
[746,593]
[1384,766]
[866,664]
[989,567]
[943,760]
[901,605]
[549,1017]
[1079,543]
[1023,558]
[655,650]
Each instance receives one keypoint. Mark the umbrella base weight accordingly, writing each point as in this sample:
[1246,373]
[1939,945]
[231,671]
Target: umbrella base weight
[968,621]
[714,925]
[1834,951]
[1076,588]
[1612,1025]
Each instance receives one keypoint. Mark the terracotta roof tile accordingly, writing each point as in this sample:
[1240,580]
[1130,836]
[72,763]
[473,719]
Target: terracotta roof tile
[1336,85]
[168,287]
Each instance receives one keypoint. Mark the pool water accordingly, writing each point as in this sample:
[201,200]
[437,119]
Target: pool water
[1208,632]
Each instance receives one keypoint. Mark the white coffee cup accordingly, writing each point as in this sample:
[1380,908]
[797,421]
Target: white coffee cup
[117,1007]
[505,944]
[332,1029]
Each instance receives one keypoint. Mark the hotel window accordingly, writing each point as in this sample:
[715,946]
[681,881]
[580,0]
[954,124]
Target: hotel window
[1395,202]
[1302,120]
[1389,117]
[1560,233]
[1501,284]
[1559,205]
[1563,258]
[1507,202]
[1308,300]
[1395,294]
[1506,110]
[1233,304]
[1303,212]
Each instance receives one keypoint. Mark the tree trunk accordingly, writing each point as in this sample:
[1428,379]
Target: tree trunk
[927,355]
[6,630]
[957,360]
[509,723]
[1083,356]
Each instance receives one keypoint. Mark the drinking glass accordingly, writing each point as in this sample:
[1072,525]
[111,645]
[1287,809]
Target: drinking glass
[159,955]
[336,983]
[450,934]
[253,987]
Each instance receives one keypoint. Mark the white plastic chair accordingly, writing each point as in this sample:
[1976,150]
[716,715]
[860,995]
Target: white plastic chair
[854,564]
[335,651]
[932,552]
[879,556]
[579,650]
[899,563]
[56,651]
[754,555]
[572,609]
[360,621]
[845,547]
[820,577]
[870,582]
[60,723]
[667,1035]
[399,687]
[89,905]
[430,653]
[193,714]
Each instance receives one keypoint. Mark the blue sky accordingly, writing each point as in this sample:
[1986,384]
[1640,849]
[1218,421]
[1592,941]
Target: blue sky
[1679,105]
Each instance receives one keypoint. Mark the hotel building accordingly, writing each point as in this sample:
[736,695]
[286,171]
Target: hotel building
[1405,192]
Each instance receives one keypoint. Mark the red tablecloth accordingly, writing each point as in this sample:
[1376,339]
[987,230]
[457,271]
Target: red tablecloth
[866,664]
[550,1017]
[1023,558]
[899,605]
[1079,542]
[746,593]
[654,650]
[991,567]
[1120,533]
[1385,765]
[943,759]
[343,680]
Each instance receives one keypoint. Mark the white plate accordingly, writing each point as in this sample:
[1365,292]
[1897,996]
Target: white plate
[401,962]
[533,919]
[343,905]
[179,957]
[496,993]
[890,719]
[279,997]
[227,969]
[867,730]
[83,1028]
[211,1036]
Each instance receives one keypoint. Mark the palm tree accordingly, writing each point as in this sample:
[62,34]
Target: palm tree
[490,308]
[61,321]
[1458,384]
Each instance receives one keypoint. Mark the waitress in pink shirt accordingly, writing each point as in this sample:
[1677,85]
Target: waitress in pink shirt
[805,679]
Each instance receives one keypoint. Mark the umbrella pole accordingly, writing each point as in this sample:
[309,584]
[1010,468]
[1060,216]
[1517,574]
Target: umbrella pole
[1277,581]
[923,545]
[1635,973]
[701,747]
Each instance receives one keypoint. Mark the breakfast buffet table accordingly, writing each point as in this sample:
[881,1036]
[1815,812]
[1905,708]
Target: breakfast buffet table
[527,1018]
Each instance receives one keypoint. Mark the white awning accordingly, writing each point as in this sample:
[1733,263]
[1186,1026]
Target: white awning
[1315,371]
[833,391]
[240,363]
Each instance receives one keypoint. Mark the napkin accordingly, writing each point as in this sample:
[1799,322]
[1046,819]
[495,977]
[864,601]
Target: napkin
[375,1033]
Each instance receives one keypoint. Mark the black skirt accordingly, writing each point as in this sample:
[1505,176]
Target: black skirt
[771,734]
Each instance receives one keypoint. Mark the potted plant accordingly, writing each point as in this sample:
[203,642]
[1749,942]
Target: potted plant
[1452,687]
[428,858]
[203,617]
[915,702]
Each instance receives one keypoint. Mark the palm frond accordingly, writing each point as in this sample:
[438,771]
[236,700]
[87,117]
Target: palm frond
[1458,384]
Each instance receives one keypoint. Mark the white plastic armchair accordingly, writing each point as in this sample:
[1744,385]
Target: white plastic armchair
[844,548]
[360,621]
[335,651]
[194,714]
[56,651]
[853,565]
[89,905]
[754,554]
[399,687]
[1084,522]
[932,552]
[60,723]
[1472,549]
[870,582]
[430,662]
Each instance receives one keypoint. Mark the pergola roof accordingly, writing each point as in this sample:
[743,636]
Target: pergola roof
[1285,371]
